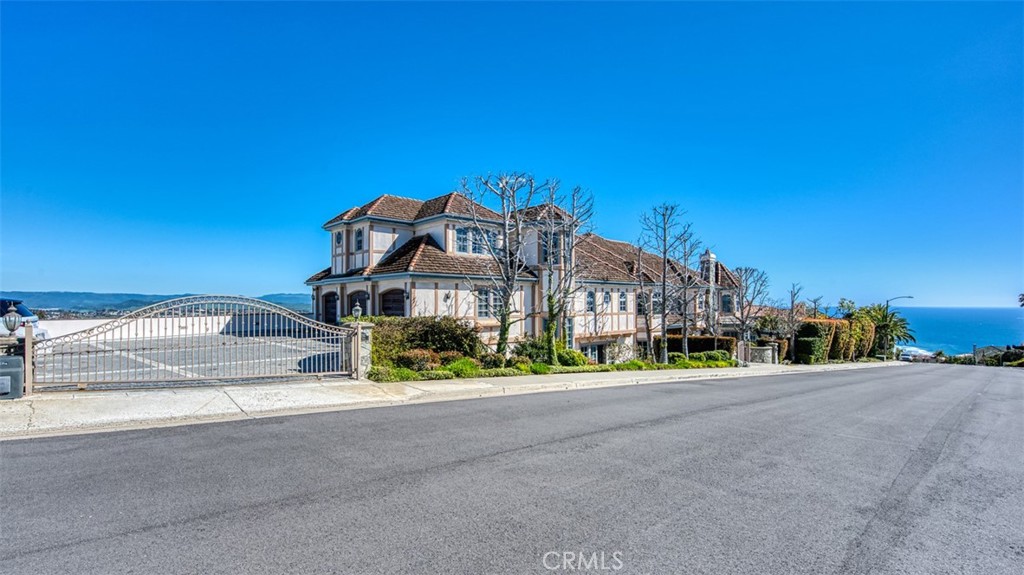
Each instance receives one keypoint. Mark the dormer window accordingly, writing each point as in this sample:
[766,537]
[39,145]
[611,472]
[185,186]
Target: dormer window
[338,238]
[359,240]
[462,240]
[463,245]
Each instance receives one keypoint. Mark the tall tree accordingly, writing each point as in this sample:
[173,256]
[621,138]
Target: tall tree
[1020,298]
[562,220]
[792,318]
[644,301]
[689,282]
[510,194]
[751,296]
[661,234]
[890,327]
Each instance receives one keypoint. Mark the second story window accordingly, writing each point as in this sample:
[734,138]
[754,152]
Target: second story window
[462,240]
[726,303]
[339,238]
[359,241]
[483,302]
[607,298]
[590,301]
[622,301]
[550,248]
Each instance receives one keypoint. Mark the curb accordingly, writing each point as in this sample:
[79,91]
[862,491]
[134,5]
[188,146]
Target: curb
[399,395]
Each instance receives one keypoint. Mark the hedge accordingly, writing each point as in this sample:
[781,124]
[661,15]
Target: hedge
[697,343]
[582,368]
[842,343]
[811,350]
[394,335]
[499,372]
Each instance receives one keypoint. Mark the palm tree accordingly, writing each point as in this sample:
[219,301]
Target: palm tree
[890,327]
[1021,299]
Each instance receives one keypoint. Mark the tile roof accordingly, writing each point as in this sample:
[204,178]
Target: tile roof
[422,254]
[610,260]
[411,210]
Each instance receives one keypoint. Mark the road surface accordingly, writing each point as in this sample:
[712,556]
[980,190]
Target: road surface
[911,470]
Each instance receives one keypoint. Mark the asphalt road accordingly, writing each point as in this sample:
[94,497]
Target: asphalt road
[911,470]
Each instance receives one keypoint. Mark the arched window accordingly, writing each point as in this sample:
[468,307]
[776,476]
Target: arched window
[359,297]
[392,302]
[622,301]
[359,240]
[590,301]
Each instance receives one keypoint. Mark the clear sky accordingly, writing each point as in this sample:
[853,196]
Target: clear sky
[866,150]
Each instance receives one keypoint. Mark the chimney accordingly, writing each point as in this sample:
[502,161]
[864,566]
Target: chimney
[707,267]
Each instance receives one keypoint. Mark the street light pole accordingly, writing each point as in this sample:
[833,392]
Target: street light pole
[888,327]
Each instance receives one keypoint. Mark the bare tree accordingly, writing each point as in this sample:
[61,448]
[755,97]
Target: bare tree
[563,219]
[644,300]
[751,296]
[689,248]
[662,235]
[791,320]
[504,237]
[815,303]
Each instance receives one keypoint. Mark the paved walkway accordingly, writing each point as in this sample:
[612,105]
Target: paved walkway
[58,413]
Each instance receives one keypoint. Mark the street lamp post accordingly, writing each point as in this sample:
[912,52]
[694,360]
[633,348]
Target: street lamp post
[888,327]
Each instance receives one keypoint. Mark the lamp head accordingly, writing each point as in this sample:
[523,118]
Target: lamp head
[12,320]
[357,312]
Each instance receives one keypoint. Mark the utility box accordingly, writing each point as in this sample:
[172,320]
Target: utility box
[12,376]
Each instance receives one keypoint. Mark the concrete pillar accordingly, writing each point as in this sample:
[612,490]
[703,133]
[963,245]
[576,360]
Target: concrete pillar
[362,343]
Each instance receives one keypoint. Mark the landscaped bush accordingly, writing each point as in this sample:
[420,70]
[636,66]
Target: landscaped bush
[823,329]
[516,360]
[571,357]
[810,350]
[393,335]
[418,360]
[700,343]
[499,372]
[437,374]
[532,348]
[676,357]
[465,367]
[720,355]
[631,365]
[383,374]
[842,343]
[582,368]
[449,356]
[540,368]
[491,360]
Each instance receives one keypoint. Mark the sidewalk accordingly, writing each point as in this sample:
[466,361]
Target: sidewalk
[58,413]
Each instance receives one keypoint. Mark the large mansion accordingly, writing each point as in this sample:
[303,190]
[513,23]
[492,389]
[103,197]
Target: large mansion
[405,257]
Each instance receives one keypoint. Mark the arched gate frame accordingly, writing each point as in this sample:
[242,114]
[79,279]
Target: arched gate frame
[194,339]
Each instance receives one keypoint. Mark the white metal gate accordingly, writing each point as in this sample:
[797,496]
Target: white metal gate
[194,339]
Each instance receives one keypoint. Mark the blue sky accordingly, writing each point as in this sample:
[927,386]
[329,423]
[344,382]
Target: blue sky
[865,150]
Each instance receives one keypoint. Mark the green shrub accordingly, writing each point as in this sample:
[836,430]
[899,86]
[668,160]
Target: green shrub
[437,374]
[393,335]
[720,355]
[447,357]
[710,343]
[1018,363]
[810,350]
[676,357]
[631,365]
[532,348]
[492,360]
[822,329]
[465,367]
[582,368]
[518,359]
[571,357]
[499,372]
[418,360]
[384,374]
[540,368]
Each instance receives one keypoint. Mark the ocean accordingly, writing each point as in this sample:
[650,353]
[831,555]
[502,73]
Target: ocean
[955,330]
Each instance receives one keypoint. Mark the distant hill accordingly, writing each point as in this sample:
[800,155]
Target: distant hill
[90,301]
